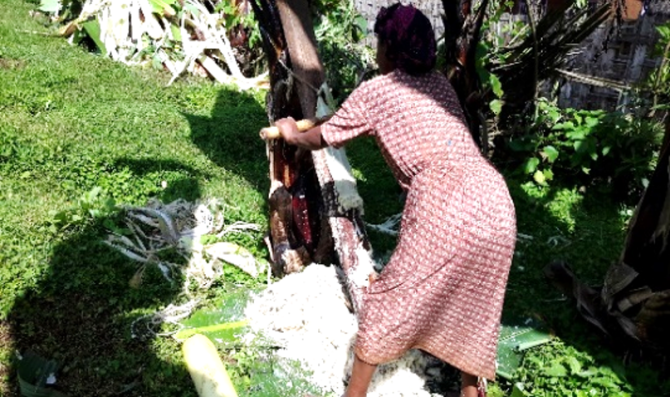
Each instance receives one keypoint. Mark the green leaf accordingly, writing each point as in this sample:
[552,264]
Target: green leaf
[92,28]
[496,86]
[531,165]
[608,383]
[568,125]
[362,24]
[518,390]
[554,115]
[551,153]
[496,106]
[157,63]
[606,150]
[591,121]
[588,373]
[52,6]
[574,364]
[586,170]
[576,134]
[538,176]
[193,10]
[222,324]
[556,370]
[163,7]
[548,174]
[176,32]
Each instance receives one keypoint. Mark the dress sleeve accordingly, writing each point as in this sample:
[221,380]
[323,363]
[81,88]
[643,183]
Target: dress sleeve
[350,121]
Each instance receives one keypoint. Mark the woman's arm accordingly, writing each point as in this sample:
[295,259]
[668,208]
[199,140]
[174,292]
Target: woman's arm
[310,139]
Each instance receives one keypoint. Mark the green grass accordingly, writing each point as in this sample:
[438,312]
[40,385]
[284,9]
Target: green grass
[71,121]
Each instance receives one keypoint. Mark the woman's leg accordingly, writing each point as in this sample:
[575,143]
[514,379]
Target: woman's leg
[361,375]
[468,385]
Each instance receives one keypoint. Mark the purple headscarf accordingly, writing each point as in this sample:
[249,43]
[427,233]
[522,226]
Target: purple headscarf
[409,37]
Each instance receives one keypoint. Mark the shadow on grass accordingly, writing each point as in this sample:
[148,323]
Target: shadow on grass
[81,311]
[229,137]
[80,315]
[185,188]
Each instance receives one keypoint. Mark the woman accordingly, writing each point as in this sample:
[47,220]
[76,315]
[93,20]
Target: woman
[442,290]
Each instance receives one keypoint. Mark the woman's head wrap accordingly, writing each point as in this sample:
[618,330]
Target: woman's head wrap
[409,38]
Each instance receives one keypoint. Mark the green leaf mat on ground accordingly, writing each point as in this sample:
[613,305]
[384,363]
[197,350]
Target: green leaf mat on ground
[34,373]
[221,324]
[514,340]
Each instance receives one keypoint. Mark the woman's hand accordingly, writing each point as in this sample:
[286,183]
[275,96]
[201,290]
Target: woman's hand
[310,140]
[288,129]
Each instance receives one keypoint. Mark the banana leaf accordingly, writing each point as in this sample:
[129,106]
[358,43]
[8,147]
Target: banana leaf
[513,342]
[92,28]
[222,324]
[34,373]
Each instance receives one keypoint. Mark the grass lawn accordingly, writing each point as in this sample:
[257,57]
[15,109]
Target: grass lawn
[71,121]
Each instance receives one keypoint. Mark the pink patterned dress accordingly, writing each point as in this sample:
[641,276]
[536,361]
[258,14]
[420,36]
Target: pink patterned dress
[443,289]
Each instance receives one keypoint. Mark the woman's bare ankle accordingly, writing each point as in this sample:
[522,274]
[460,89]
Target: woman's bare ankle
[468,385]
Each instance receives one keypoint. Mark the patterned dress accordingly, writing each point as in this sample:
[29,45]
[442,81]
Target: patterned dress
[443,288]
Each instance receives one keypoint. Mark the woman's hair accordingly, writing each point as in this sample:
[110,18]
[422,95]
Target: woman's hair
[408,36]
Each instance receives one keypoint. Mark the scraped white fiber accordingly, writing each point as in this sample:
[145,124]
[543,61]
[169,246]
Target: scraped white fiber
[305,313]
[345,183]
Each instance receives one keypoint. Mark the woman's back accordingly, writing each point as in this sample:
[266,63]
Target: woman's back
[417,121]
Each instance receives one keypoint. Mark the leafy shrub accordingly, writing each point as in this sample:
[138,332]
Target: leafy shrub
[588,146]
[560,370]
[339,30]
[658,82]
[94,204]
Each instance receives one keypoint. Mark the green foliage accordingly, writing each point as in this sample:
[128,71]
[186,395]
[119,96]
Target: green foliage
[237,19]
[588,145]
[222,321]
[339,30]
[658,82]
[561,370]
[80,134]
[488,49]
[92,205]
[490,81]
[259,374]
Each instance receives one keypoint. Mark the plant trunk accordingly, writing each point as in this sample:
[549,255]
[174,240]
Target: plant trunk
[307,222]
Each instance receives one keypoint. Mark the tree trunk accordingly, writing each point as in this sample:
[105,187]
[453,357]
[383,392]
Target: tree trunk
[307,221]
